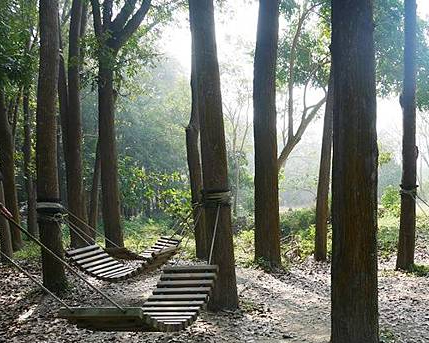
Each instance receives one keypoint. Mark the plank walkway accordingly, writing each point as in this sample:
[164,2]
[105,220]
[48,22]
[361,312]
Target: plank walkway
[97,262]
[173,305]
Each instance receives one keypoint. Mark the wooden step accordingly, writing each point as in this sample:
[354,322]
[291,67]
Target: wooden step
[173,314]
[104,270]
[81,250]
[150,309]
[98,262]
[191,269]
[113,271]
[183,290]
[92,258]
[182,283]
[166,297]
[174,303]
[87,254]
[169,239]
[188,276]
[107,264]
[121,273]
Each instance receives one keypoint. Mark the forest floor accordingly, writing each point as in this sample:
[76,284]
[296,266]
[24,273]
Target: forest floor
[287,306]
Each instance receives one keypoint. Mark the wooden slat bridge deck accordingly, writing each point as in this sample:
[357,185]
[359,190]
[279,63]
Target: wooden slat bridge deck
[173,306]
[99,263]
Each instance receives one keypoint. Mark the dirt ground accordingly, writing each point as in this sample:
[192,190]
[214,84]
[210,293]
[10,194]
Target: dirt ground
[290,306]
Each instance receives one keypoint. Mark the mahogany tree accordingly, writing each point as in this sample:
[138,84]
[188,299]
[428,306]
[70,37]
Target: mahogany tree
[354,294]
[213,149]
[267,229]
[112,34]
[407,231]
[46,149]
[194,165]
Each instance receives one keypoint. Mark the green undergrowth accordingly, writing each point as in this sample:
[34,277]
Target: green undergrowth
[419,270]
[297,238]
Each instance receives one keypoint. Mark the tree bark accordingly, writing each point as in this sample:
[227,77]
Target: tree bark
[354,316]
[46,149]
[213,149]
[267,230]
[194,165]
[407,230]
[29,182]
[322,203]
[5,235]
[94,196]
[108,155]
[72,127]
[7,166]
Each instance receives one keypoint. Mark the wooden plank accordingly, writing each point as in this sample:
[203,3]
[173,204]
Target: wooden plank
[181,283]
[86,254]
[170,309]
[191,269]
[92,258]
[167,297]
[111,267]
[169,239]
[110,263]
[173,314]
[80,250]
[188,276]
[98,262]
[182,290]
[180,303]
[121,273]
[115,270]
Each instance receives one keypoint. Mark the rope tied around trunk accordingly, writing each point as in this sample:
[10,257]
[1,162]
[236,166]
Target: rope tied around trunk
[411,191]
[215,198]
[50,210]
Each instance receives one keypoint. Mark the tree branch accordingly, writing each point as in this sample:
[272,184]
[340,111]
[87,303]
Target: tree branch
[121,37]
[98,28]
[120,20]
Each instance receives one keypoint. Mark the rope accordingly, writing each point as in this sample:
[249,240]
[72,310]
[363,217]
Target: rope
[412,192]
[90,228]
[215,198]
[5,213]
[32,278]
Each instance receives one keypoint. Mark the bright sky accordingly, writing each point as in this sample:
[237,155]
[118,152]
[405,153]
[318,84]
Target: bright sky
[238,24]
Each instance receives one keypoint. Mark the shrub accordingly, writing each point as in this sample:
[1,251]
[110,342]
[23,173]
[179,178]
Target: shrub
[297,220]
[391,201]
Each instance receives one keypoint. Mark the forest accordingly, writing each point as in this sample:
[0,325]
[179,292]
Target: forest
[214,171]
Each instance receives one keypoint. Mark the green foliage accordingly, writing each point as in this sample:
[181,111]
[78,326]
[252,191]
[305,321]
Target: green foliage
[420,270]
[294,221]
[30,252]
[391,201]
[169,191]
[244,248]
[387,236]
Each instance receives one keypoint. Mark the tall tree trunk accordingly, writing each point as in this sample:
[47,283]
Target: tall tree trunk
[322,203]
[63,100]
[7,166]
[46,150]
[94,196]
[237,184]
[108,155]
[407,231]
[29,183]
[72,127]
[194,165]
[5,235]
[267,230]
[354,317]
[213,149]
